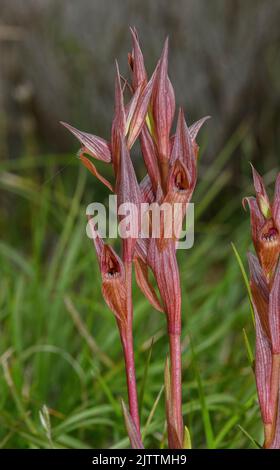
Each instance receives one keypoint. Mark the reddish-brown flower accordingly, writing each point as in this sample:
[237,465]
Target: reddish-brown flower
[171,163]
[159,148]
[265,225]
[265,289]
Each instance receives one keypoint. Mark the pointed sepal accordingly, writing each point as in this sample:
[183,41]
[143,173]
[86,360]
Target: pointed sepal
[196,126]
[91,144]
[183,149]
[93,170]
[136,61]
[137,116]
[119,121]
[150,156]
[261,195]
[128,193]
[142,279]
[163,105]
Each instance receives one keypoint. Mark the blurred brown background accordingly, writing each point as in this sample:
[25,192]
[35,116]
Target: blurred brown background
[57,62]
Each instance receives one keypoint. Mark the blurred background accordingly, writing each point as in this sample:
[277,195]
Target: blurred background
[57,63]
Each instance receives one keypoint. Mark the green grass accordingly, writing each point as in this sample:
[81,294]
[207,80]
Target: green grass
[59,344]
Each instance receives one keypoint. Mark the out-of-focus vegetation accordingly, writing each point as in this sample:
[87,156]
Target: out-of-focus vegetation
[57,62]
[59,346]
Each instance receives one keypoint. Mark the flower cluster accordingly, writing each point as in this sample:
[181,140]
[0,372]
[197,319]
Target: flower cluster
[265,289]
[171,164]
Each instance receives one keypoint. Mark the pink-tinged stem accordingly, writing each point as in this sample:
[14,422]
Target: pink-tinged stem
[268,435]
[274,390]
[127,342]
[131,380]
[176,381]
[275,375]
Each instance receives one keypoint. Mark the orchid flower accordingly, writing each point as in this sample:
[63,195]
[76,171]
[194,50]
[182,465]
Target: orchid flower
[171,163]
[116,271]
[265,289]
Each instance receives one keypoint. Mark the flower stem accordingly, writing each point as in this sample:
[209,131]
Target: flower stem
[176,381]
[127,341]
[268,435]
[275,375]
[270,429]
[131,380]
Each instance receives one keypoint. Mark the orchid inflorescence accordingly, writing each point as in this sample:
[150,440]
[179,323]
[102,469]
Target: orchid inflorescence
[171,164]
[265,290]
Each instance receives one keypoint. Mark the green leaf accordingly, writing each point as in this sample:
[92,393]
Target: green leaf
[248,348]
[246,280]
[253,441]
[187,443]
[144,380]
[209,434]
[152,412]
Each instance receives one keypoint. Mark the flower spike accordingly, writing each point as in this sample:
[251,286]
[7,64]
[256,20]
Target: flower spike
[171,177]
[265,289]
[265,233]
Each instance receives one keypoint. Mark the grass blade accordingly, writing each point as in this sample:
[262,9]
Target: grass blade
[209,434]
[144,380]
[246,280]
